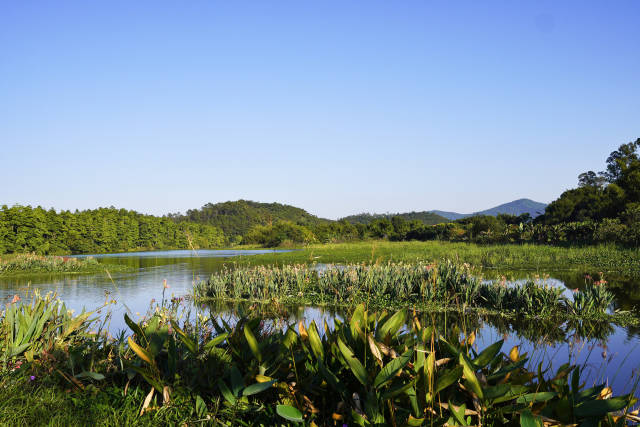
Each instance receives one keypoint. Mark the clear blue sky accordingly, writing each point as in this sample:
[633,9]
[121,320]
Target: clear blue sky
[336,107]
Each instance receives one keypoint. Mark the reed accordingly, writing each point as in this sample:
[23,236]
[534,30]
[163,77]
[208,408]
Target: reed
[443,285]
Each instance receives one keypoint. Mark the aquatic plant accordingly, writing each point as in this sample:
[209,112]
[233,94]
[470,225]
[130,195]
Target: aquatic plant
[444,285]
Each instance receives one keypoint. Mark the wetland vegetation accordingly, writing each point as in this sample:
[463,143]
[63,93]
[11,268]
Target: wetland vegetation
[373,368]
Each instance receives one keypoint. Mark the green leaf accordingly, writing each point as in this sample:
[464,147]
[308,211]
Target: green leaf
[527,419]
[392,325]
[469,374]
[257,388]
[237,383]
[186,340]
[253,343]
[599,408]
[488,354]
[201,407]
[459,414]
[542,396]
[315,341]
[353,363]
[93,375]
[135,328]
[215,341]
[226,393]
[289,413]
[392,368]
[449,377]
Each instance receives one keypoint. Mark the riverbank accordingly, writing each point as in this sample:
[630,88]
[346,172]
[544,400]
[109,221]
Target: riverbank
[535,258]
[22,264]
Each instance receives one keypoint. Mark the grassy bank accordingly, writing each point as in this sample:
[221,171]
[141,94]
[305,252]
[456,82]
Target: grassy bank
[372,369]
[17,264]
[540,258]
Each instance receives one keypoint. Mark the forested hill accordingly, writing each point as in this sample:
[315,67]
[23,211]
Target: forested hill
[237,218]
[428,218]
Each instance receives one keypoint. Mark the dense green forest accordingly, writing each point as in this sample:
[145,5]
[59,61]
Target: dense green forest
[237,218]
[429,218]
[27,229]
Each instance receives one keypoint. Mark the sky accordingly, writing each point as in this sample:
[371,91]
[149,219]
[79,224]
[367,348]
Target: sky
[335,107]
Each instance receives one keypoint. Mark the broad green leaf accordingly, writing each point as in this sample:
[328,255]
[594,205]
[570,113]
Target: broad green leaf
[392,368]
[215,341]
[141,352]
[289,413]
[93,375]
[458,414]
[488,354]
[449,377]
[392,325]
[135,328]
[315,341]
[470,375]
[353,363]
[542,396]
[253,343]
[201,407]
[414,422]
[226,393]
[257,388]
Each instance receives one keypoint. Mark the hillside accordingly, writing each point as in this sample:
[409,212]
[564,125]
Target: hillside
[516,207]
[428,218]
[236,218]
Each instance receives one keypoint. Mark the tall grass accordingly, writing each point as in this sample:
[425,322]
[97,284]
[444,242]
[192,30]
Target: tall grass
[443,285]
[31,263]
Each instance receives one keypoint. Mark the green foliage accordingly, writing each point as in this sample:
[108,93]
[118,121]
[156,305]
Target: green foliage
[26,229]
[424,217]
[443,285]
[373,368]
[604,195]
[279,234]
[237,218]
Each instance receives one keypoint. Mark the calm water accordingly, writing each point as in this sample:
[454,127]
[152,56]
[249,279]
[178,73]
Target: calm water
[605,350]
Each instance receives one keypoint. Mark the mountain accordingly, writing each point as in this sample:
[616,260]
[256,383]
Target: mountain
[236,218]
[517,207]
[428,218]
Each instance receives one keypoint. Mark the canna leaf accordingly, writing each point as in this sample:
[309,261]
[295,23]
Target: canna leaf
[289,413]
[488,354]
[253,343]
[257,388]
[315,341]
[141,352]
[353,363]
[392,368]
[392,325]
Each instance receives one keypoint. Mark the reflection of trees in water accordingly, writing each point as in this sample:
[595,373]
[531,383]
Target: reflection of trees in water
[451,324]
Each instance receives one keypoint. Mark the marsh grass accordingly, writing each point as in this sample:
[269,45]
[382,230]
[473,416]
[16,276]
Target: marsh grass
[17,264]
[446,285]
[535,258]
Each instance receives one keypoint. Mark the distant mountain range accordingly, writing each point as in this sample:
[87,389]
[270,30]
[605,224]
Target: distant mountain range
[516,207]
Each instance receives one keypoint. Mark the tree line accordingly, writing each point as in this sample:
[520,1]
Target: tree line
[26,229]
